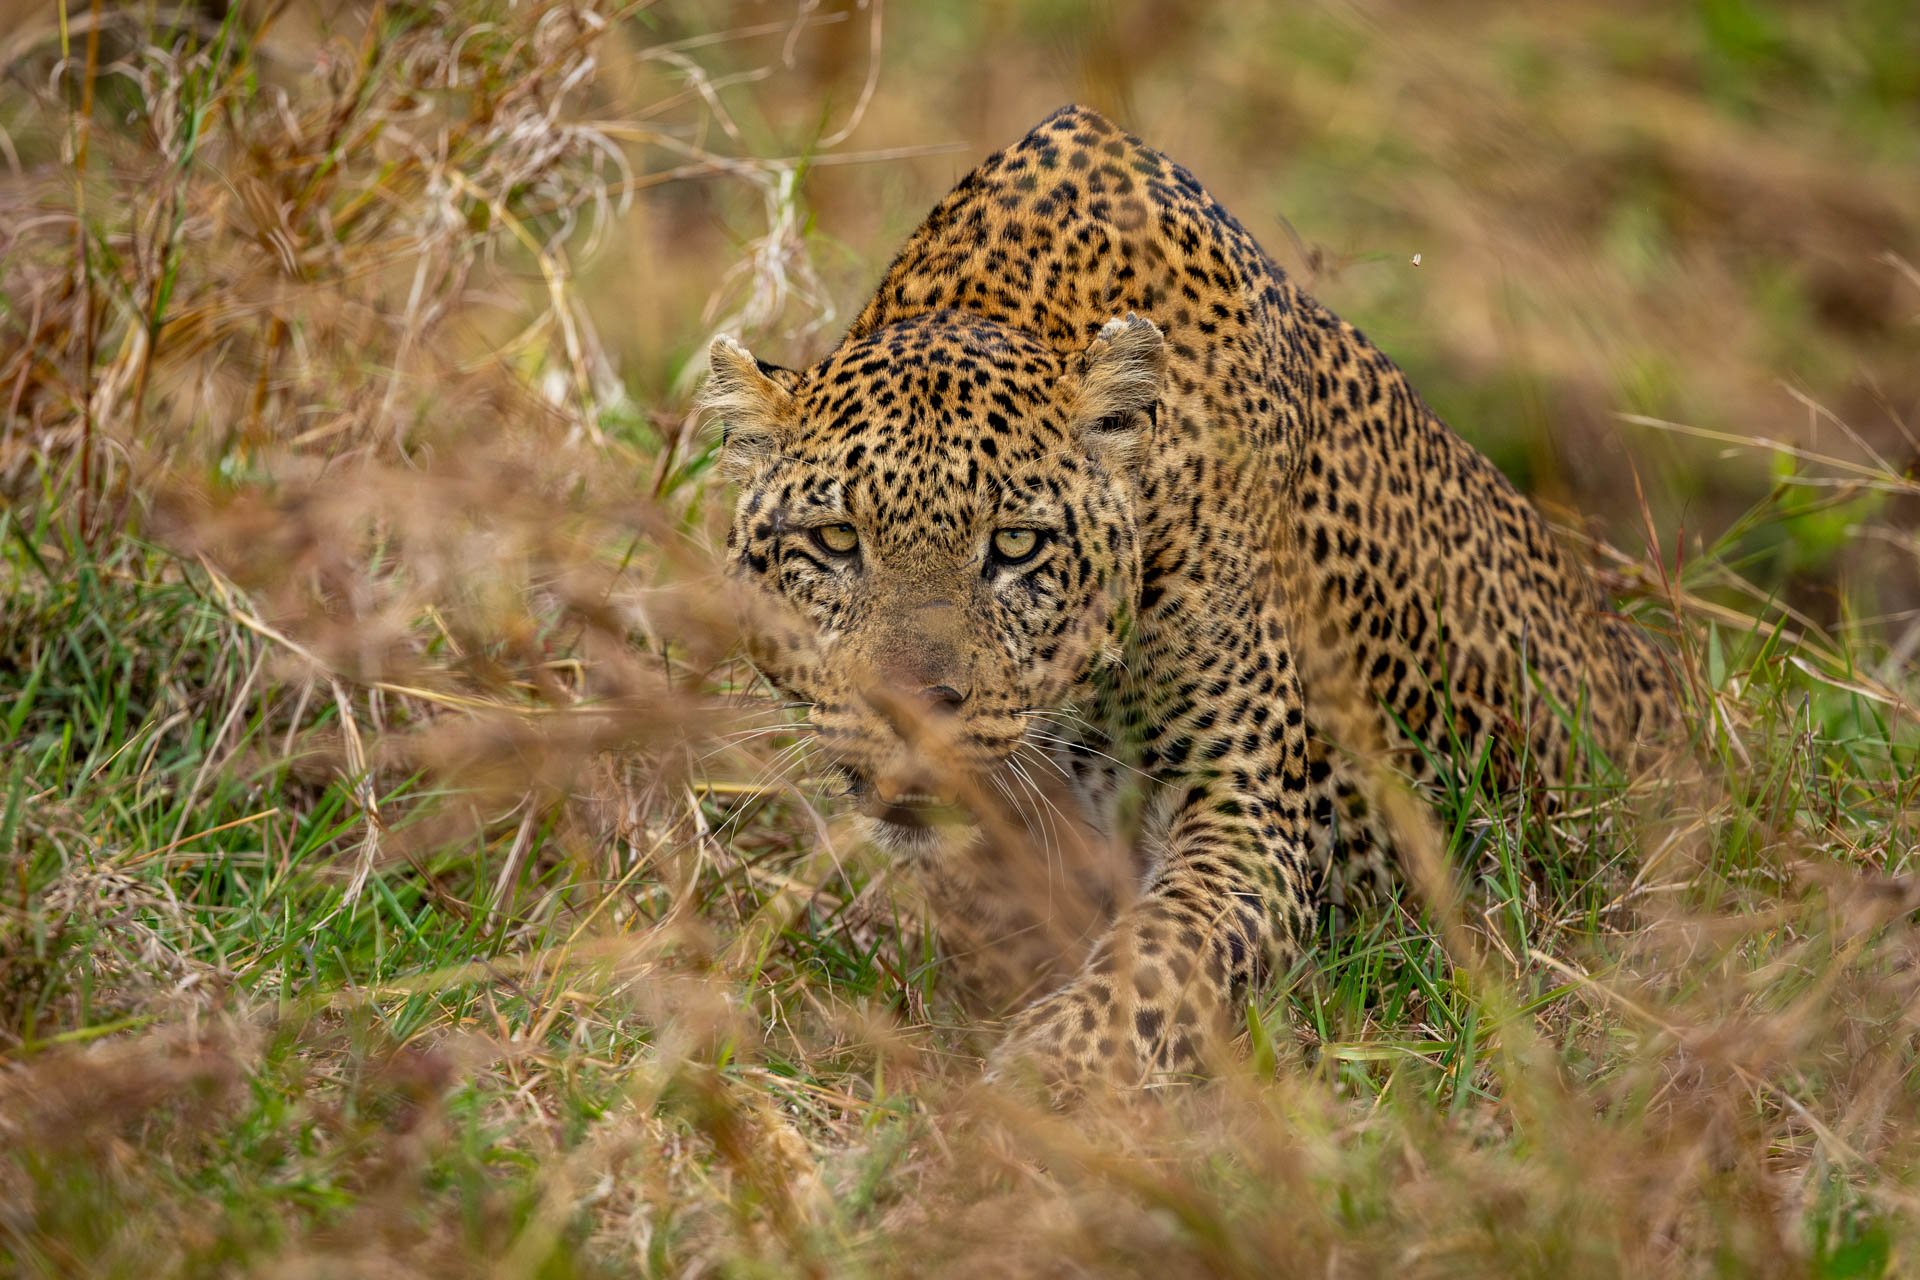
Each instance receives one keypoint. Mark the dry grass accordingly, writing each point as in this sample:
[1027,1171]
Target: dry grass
[404,877]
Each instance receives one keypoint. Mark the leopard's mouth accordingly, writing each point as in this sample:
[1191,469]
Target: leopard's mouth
[910,810]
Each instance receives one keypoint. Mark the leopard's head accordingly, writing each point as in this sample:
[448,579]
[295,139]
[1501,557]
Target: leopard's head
[937,525]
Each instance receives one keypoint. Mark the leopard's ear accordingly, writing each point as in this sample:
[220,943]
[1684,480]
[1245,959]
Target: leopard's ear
[752,402]
[1121,374]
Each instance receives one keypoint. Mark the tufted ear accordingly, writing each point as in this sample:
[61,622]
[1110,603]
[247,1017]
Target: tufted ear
[1120,378]
[751,401]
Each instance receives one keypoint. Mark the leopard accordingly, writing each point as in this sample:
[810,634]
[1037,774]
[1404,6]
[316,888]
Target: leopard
[1092,489]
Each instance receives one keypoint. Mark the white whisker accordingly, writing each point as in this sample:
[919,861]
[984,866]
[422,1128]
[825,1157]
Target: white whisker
[1072,744]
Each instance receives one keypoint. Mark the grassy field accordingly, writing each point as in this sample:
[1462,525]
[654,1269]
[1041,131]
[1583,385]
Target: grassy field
[403,876]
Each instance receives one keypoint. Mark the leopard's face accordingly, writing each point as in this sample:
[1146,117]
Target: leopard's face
[938,522]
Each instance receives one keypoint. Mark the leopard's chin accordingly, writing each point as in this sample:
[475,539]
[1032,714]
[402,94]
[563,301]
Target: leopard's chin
[910,824]
[923,836]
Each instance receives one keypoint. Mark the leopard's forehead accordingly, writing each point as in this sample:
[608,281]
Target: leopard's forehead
[941,400]
[926,436]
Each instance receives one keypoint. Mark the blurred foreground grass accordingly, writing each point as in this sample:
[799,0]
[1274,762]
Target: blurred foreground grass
[401,876]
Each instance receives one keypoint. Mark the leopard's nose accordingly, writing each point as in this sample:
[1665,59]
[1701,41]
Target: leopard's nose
[943,697]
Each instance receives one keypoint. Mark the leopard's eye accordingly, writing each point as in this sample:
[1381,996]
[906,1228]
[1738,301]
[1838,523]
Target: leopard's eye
[1015,546]
[836,539]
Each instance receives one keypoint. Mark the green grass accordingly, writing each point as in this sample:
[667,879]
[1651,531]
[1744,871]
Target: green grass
[219,1060]
[391,881]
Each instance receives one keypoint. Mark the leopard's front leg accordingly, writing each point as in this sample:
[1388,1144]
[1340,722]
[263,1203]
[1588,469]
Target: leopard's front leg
[1226,902]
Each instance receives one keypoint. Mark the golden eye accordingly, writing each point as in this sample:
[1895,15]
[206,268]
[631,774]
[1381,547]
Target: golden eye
[836,539]
[1012,546]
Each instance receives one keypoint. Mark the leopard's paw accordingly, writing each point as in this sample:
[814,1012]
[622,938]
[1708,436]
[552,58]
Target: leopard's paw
[1064,1046]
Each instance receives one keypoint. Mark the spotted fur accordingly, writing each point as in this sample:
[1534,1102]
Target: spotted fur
[1245,521]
